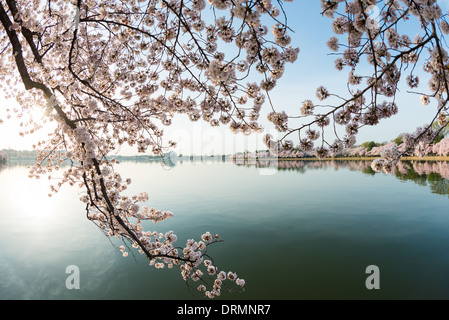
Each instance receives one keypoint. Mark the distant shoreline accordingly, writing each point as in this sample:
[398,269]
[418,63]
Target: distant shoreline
[205,158]
[408,158]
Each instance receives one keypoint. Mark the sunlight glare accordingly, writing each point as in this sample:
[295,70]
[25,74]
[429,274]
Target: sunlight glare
[10,126]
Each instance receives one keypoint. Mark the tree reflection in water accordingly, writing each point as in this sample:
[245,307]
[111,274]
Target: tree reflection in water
[434,174]
[16,163]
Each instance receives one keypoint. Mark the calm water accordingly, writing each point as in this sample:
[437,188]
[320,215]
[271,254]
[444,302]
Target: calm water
[307,230]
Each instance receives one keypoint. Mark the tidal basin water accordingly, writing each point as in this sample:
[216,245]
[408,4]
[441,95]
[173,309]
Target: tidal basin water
[303,230]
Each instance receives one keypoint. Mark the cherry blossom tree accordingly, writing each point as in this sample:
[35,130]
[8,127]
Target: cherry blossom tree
[113,73]
[441,148]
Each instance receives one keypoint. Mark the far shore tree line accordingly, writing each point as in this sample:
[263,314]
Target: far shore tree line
[440,147]
[367,149]
[6,154]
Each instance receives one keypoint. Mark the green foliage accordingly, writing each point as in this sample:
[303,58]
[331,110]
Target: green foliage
[369,145]
[369,171]
[20,154]
[399,139]
[443,131]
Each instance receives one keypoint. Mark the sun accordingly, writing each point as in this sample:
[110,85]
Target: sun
[35,113]
[38,204]
[20,130]
[27,198]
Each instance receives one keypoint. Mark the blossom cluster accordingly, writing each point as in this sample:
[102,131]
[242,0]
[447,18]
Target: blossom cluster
[441,148]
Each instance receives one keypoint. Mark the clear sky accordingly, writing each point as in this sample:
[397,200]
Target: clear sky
[313,68]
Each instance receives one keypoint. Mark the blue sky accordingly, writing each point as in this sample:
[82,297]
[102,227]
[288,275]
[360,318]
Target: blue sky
[313,68]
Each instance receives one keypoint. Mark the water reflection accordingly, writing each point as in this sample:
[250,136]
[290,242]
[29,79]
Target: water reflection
[330,223]
[16,163]
[434,174]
